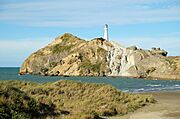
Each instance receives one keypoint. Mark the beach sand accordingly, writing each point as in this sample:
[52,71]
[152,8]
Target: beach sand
[166,107]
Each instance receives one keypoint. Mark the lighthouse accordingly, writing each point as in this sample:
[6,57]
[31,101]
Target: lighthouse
[106,32]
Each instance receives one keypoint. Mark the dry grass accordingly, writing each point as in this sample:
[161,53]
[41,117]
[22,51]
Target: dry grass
[16,104]
[82,100]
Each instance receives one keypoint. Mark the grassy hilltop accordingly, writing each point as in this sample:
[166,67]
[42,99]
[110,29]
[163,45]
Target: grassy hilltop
[66,99]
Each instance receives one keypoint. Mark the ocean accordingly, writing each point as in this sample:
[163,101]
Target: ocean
[125,84]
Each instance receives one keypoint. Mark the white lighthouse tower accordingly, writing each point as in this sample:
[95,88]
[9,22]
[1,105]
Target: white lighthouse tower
[106,32]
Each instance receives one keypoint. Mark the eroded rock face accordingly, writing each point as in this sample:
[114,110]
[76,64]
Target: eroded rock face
[69,55]
[72,56]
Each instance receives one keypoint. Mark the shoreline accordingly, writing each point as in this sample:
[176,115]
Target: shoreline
[166,107]
[137,90]
[135,77]
[155,92]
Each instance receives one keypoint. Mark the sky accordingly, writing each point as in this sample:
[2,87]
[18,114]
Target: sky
[27,25]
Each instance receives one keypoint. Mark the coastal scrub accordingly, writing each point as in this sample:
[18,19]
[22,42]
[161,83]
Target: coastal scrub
[67,99]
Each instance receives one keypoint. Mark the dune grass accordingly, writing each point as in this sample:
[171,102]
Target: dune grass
[70,99]
[16,104]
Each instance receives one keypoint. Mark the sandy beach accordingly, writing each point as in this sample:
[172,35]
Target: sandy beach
[166,107]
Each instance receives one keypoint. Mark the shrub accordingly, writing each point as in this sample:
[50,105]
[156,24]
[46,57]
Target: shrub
[58,48]
[17,104]
[86,64]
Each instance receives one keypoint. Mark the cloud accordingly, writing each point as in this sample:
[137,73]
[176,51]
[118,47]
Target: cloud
[89,12]
[171,34]
[170,44]
[14,52]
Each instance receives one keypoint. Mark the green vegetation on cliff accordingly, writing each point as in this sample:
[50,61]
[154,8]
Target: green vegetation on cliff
[66,99]
[59,48]
[68,42]
[88,65]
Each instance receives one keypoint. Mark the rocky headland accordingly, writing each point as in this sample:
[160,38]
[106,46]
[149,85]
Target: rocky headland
[69,55]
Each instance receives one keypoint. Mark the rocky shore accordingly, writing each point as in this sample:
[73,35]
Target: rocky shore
[69,55]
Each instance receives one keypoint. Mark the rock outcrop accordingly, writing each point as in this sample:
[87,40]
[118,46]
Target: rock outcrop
[69,55]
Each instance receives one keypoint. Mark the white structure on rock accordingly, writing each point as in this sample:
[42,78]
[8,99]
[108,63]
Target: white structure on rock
[106,32]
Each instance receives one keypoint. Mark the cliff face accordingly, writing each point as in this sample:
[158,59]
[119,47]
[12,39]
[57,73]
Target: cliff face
[72,56]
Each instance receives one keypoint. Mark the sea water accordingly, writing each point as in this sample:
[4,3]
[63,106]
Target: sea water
[125,84]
